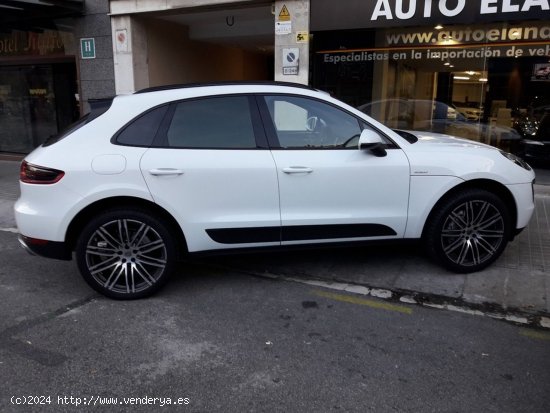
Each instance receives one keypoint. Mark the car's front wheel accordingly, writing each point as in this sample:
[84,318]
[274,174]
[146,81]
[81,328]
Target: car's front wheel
[469,230]
[125,253]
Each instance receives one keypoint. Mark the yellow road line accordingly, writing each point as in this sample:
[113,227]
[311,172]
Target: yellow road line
[539,335]
[361,301]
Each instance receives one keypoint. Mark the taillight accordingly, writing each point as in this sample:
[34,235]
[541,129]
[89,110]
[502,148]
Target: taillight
[34,174]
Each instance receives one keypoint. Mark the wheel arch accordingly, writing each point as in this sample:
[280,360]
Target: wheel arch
[84,216]
[485,184]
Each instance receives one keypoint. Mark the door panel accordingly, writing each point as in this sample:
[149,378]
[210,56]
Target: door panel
[215,190]
[344,187]
[211,174]
[329,189]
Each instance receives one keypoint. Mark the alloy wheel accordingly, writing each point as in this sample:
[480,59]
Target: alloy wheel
[472,233]
[126,256]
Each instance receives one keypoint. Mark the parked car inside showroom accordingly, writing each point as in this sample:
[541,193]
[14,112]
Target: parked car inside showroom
[151,177]
[543,73]
[471,112]
[535,145]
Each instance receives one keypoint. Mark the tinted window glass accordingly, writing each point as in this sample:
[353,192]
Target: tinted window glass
[220,122]
[70,129]
[142,130]
[307,123]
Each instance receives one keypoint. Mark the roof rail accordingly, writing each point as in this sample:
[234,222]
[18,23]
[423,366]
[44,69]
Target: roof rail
[223,83]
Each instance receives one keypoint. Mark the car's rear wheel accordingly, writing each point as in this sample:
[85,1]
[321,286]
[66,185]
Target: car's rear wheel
[125,253]
[469,231]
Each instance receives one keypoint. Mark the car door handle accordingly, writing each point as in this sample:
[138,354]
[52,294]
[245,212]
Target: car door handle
[165,171]
[297,170]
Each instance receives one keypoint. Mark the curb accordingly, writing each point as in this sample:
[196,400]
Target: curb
[517,316]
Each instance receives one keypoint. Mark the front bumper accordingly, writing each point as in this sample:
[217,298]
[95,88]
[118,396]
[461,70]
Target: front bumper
[525,203]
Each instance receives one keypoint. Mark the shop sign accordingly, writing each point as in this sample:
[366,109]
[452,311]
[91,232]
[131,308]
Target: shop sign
[447,45]
[533,32]
[329,14]
[476,52]
[19,43]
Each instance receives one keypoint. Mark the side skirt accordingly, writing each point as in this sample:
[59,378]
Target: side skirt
[297,233]
[304,247]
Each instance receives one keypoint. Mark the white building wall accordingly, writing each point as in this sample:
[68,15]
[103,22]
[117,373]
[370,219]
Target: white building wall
[135,69]
[130,54]
[284,43]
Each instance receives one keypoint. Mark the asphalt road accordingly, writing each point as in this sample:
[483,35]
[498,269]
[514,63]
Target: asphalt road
[228,342]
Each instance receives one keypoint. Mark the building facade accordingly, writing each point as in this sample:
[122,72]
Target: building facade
[45,80]
[475,69]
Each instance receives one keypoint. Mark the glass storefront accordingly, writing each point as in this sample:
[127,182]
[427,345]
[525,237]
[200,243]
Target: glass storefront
[487,82]
[38,88]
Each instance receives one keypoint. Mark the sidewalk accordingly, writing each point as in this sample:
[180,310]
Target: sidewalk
[519,282]
[9,191]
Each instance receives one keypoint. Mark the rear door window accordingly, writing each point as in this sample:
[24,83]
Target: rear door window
[223,122]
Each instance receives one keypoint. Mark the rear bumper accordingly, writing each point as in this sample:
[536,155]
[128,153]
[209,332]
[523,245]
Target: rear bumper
[44,248]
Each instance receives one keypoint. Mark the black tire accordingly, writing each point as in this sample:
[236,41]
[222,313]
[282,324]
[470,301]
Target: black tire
[468,231]
[126,253]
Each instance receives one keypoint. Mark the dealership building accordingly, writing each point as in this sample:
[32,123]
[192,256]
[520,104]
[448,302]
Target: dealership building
[467,68]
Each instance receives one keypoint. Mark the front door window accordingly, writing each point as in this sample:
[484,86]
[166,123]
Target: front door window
[307,123]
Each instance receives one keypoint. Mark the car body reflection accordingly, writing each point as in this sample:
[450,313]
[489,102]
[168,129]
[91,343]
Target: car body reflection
[435,116]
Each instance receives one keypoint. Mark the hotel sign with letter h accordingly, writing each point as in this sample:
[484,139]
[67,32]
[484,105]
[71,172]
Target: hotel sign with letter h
[87,48]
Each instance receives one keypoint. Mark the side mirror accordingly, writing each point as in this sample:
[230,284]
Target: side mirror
[371,141]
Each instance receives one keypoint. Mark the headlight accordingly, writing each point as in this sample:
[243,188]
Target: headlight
[517,160]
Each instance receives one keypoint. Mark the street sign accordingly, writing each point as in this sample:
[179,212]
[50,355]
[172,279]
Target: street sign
[291,61]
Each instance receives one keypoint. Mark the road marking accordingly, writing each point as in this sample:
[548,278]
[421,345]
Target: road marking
[539,335]
[362,301]
[409,297]
[13,230]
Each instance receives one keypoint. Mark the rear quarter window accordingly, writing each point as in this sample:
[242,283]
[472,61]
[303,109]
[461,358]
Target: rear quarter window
[142,130]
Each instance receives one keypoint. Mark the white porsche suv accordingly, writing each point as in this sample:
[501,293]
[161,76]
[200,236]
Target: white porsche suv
[150,177]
